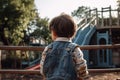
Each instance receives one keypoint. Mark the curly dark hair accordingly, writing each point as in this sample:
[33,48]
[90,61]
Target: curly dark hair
[63,25]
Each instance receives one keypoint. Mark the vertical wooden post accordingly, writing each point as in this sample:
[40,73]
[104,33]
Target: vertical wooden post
[0,63]
[97,17]
[102,24]
[86,18]
[110,21]
[90,15]
[118,19]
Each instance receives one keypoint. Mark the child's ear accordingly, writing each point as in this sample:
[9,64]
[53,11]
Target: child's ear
[54,33]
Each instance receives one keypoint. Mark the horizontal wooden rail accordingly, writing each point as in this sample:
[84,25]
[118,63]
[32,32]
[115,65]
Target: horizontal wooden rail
[89,47]
[40,48]
[14,71]
[104,70]
[22,48]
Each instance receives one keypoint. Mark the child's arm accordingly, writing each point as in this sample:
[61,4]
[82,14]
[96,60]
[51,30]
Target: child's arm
[43,56]
[81,66]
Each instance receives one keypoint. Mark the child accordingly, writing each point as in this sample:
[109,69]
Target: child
[63,28]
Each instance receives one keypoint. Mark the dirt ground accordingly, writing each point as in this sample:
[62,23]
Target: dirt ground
[104,76]
[98,76]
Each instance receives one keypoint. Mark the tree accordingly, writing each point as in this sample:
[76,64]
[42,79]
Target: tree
[80,12]
[15,15]
[42,30]
[118,2]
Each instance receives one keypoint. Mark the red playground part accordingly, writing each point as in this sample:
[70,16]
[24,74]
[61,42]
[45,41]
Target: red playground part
[35,67]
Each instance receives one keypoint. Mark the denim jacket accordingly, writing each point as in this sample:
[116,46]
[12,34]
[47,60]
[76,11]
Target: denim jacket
[81,66]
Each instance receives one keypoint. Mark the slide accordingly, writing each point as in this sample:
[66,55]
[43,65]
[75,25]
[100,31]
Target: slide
[31,64]
[83,37]
[34,67]
[84,34]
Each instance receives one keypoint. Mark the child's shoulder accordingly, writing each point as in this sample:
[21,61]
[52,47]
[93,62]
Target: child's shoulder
[48,47]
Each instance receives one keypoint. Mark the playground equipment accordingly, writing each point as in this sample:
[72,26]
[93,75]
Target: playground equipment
[98,30]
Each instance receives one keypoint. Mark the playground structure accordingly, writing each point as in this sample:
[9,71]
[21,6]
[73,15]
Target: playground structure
[99,29]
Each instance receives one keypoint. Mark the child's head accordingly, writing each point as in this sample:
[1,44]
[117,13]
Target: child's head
[63,26]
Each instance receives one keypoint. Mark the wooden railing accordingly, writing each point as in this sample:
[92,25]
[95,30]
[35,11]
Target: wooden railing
[22,72]
[14,71]
[111,20]
[41,48]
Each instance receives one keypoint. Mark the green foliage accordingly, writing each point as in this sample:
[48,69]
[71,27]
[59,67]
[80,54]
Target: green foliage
[118,4]
[42,30]
[80,12]
[15,15]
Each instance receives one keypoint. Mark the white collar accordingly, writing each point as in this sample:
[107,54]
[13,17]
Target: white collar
[63,39]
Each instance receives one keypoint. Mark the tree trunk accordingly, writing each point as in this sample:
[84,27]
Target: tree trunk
[2,36]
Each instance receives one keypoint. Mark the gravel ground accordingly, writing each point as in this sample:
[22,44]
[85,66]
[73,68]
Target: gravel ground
[98,76]
[105,76]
